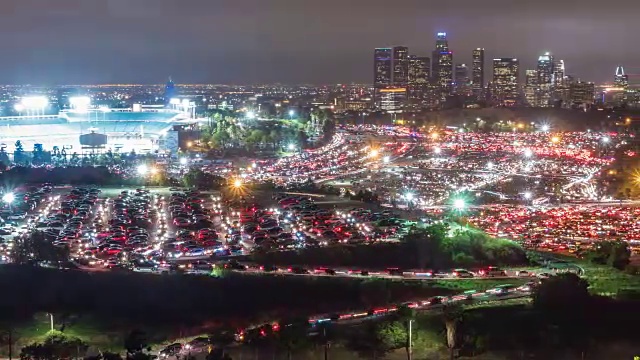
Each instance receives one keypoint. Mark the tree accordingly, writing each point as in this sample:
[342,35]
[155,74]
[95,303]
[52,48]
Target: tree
[35,247]
[293,336]
[452,315]
[616,254]
[563,300]
[368,341]
[136,344]
[55,346]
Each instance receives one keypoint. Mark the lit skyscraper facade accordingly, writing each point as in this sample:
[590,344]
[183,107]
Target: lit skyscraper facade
[545,80]
[530,87]
[382,71]
[419,78]
[400,66]
[505,81]
[462,82]
[169,92]
[477,76]
[442,68]
[621,79]
[582,94]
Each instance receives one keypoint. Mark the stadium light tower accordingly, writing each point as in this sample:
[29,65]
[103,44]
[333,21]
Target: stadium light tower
[80,103]
[34,105]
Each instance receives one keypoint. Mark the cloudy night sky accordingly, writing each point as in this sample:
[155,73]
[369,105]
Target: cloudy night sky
[298,41]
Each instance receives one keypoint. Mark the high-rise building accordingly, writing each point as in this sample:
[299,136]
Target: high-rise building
[419,78]
[462,84]
[477,76]
[530,87]
[582,93]
[169,92]
[621,79]
[545,80]
[560,92]
[382,71]
[400,66]
[393,99]
[505,81]
[442,68]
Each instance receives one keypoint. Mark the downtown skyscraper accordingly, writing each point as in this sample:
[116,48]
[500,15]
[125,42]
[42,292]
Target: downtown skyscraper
[504,90]
[544,72]
[391,77]
[442,68]
[477,73]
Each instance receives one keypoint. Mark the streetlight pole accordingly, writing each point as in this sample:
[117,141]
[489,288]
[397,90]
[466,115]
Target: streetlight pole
[410,348]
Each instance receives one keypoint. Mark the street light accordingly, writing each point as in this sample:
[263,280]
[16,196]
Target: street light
[143,169]
[291,113]
[374,153]
[490,165]
[183,161]
[386,159]
[437,150]
[8,198]
[528,153]
[409,196]
[545,128]
[527,195]
[291,147]
[459,204]
[606,139]
[237,183]
[250,115]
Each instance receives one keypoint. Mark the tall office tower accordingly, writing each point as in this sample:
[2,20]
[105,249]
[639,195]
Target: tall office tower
[621,80]
[462,82]
[169,92]
[419,77]
[477,69]
[400,66]
[582,94]
[530,87]
[545,80]
[442,68]
[382,71]
[505,81]
[560,90]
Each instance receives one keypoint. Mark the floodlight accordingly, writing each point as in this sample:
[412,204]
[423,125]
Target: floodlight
[409,196]
[250,115]
[490,165]
[8,198]
[459,204]
[545,127]
[528,153]
[80,101]
[183,161]
[143,169]
[291,112]
[606,139]
[437,150]
[19,107]
[35,102]
[527,195]
[291,147]
[185,102]
[237,183]
[174,101]
[374,153]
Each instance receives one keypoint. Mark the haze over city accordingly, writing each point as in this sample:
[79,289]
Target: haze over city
[285,41]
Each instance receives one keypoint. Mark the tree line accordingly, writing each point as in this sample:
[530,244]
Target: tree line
[422,248]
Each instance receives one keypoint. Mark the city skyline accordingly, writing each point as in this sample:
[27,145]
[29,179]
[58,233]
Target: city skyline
[249,41]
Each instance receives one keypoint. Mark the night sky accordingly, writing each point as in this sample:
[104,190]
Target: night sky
[298,41]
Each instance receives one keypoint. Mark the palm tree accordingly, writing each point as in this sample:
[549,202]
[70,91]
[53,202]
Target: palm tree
[452,315]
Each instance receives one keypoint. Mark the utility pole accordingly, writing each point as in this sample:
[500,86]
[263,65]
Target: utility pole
[326,344]
[410,350]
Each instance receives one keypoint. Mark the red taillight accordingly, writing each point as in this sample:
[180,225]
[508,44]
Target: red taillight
[289,269]
[275,327]
[261,267]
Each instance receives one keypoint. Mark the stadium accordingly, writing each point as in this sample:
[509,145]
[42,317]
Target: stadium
[136,129]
